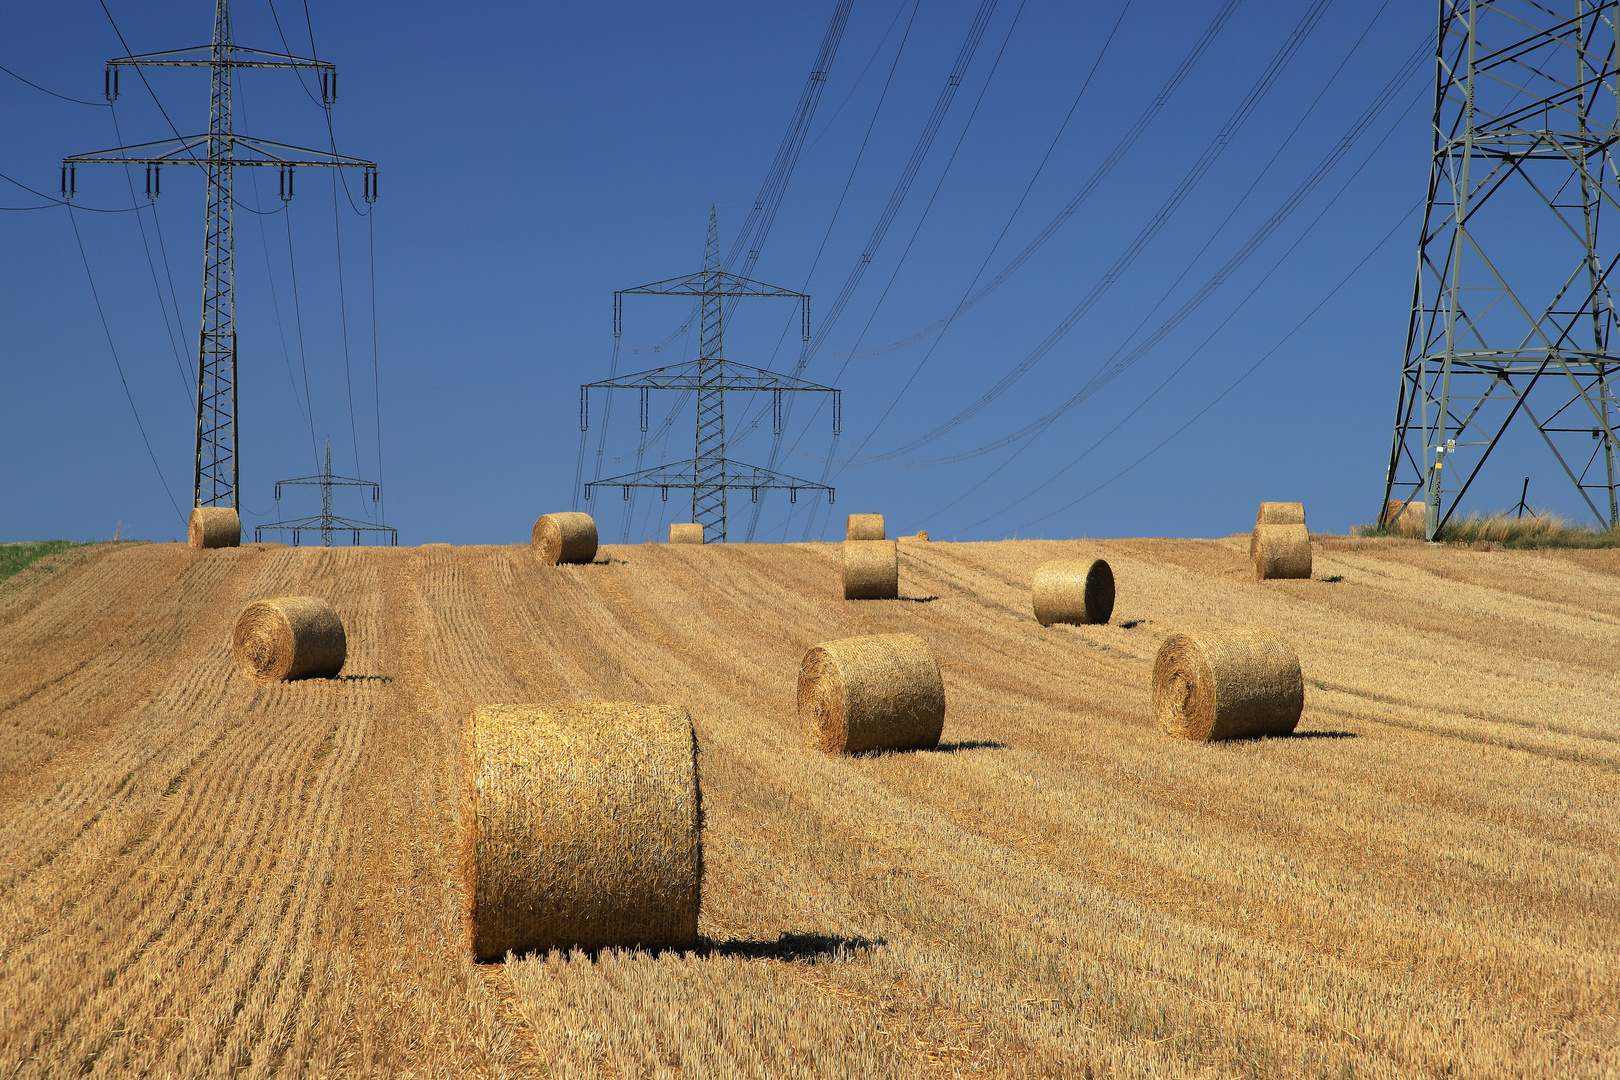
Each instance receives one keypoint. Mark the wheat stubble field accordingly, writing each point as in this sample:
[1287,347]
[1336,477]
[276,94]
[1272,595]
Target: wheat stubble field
[200,876]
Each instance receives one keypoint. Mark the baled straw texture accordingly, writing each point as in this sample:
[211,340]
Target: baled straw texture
[1281,551]
[1073,591]
[871,570]
[879,692]
[921,536]
[685,532]
[1275,513]
[581,828]
[865,527]
[213,527]
[1410,518]
[290,637]
[1236,683]
[568,537]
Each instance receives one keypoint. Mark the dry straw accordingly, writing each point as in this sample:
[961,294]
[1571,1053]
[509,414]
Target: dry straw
[685,532]
[1408,518]
[1227,684]
[568,537]
[865,527]
[879,692]
[291,637]
[213,527]
[1073,591]
[920,537]
[871,570]
[580,828]
[1281,551]
[1275,513]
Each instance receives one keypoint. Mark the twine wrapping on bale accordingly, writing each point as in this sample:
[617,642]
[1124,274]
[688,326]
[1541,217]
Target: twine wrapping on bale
[1281,551]
[1409,518]
[880,692]
[865,527]
[1275,513]
[871,570]
[291,637]
[214,527]
[581,828]
[685,532]
[1075,591]
[568,537]
[1236,683]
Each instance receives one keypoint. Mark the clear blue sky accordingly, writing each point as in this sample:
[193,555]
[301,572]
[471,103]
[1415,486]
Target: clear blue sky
[535,157]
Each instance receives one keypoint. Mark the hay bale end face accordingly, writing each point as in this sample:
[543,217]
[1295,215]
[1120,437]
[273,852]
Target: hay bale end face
[580,828]
[569,537]
[871,570]
[1236,683]
[1077,591]
[878,692]
[865,527]
[1407,518]
[291,637]
[214,527]
[1275,513]
[1281,551]
[685,532]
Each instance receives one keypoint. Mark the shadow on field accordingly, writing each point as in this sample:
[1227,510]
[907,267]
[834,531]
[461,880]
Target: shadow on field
[365,678]
[794,948]
[918,599]
[1323,735]
[965,744]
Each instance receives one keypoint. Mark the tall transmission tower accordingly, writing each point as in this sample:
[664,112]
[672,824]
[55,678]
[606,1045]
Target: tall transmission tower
[328,522]
[710,473]
[1512,311]
[221,151]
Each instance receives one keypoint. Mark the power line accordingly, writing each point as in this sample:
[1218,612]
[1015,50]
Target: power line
[53,93]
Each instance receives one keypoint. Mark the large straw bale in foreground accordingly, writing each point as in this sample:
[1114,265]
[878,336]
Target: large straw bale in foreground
[568,537]
[871,570]
[580,828]
[1281,551]
[1076,591]
[1227,684]
[865,527]
[214,527]
[1408,518]
[879,692]
[685,532]
[290,637]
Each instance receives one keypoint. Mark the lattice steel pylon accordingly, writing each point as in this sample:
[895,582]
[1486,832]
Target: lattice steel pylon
[328,522]
[1512,310]
[216,472]
[710,473]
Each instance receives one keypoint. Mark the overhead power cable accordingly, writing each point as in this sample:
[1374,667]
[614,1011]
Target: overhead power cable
[51,201]
[53,93]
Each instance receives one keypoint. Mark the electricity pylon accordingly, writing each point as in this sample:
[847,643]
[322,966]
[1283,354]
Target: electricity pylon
[221,152]
[710,473]
[328,522]
[1513,298]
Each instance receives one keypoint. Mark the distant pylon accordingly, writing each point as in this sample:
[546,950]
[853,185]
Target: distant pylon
[328,523]
[710,473]
[1512,311]
[216,472]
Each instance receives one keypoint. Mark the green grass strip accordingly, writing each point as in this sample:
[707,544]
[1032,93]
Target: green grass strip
[16,557]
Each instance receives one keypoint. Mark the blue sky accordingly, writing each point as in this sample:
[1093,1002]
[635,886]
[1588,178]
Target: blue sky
[535,157]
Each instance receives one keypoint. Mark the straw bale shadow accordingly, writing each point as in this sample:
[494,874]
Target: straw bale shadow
[790,947]
[1131,624]
[918,599]
[963,744]
[365,678]
[1332,578]
[1321,735]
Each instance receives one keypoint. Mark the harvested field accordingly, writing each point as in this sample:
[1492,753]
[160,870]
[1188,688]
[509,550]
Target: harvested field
[201,875]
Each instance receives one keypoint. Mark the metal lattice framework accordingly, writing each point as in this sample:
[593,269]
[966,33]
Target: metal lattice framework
[328,523]
[710,474]
[1512,311]
[216,473]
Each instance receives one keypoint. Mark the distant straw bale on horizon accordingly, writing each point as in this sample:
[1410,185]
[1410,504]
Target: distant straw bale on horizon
[685,532]
[1235,683]
[865,527]
[290,637]
[580,828]
[566,537]
[214,527]
[1281,551]
[871,570]
[1077,591]
[875,692]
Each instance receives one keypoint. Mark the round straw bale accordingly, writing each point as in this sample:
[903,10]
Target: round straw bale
[580,828]
[214,527]
[879,692]
[1281,551]
[1227,684]
[685,532]
[568,537]
[1275,513]
[1409,518]
[291,637]
[1073,591]
[865,527]
[871,570]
